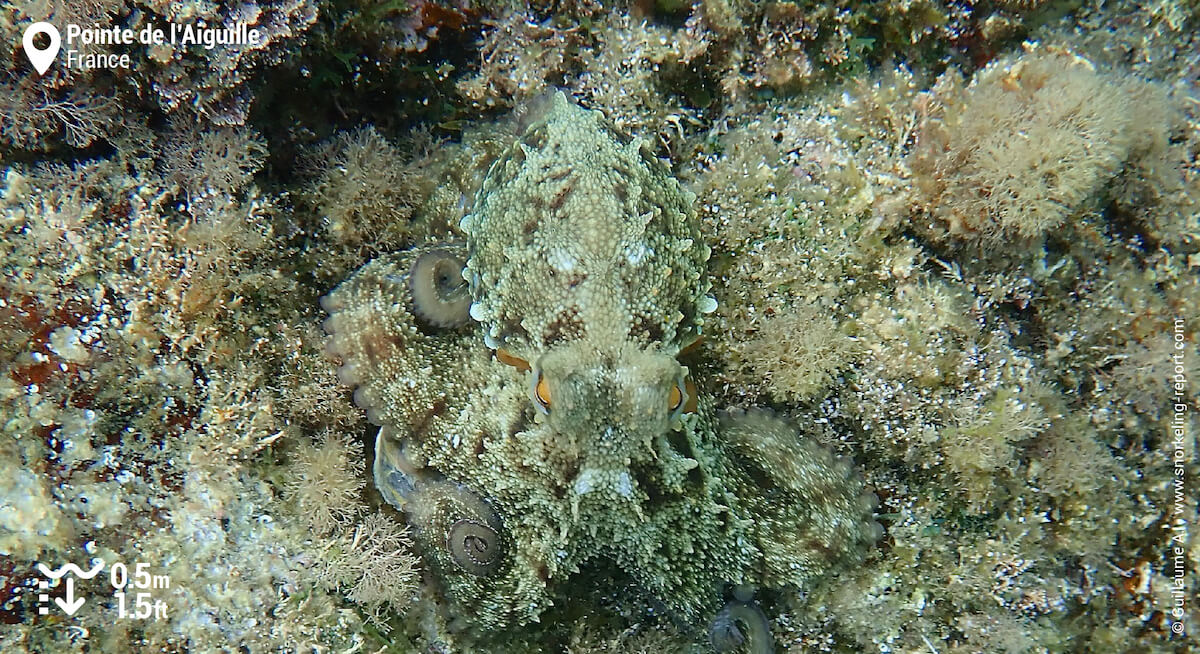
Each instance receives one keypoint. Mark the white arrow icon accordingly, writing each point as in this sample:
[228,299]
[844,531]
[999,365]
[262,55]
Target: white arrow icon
[70,604]
[41,59]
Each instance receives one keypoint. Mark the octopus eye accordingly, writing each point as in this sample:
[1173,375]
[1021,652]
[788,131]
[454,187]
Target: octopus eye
[542,392]
[683,398]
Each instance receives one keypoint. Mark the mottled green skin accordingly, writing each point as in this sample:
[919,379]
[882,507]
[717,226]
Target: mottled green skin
[585,261]
[579,237]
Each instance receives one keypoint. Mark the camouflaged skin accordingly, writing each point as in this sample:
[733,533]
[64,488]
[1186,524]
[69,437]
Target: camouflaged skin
[580,236]
[582,441]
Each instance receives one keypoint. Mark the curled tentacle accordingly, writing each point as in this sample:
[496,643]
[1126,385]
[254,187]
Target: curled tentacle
[460,528]
[455,524]
[389,355]
[741,627]
[440,295]
[475,547]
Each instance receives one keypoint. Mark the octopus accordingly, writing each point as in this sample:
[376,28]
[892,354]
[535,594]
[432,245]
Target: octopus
[542,412]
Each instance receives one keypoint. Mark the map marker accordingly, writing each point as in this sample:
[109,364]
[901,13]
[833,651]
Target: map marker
[41,59]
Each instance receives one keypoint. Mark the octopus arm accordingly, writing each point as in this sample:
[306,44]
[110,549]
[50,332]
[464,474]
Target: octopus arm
[406,371]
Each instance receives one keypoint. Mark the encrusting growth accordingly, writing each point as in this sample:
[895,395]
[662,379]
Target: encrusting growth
[1030,142]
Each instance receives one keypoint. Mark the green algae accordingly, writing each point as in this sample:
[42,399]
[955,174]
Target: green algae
[1006,390]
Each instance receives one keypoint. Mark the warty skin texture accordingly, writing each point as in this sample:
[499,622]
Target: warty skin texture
[557,430]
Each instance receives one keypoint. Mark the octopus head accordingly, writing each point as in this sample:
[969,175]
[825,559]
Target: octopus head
[613,404]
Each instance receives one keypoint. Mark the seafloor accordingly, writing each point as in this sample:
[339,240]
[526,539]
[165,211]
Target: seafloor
[956,242]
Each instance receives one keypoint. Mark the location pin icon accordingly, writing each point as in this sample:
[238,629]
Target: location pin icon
[41,59]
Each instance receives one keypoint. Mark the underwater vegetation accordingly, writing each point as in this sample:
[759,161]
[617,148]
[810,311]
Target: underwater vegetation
[943,258]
